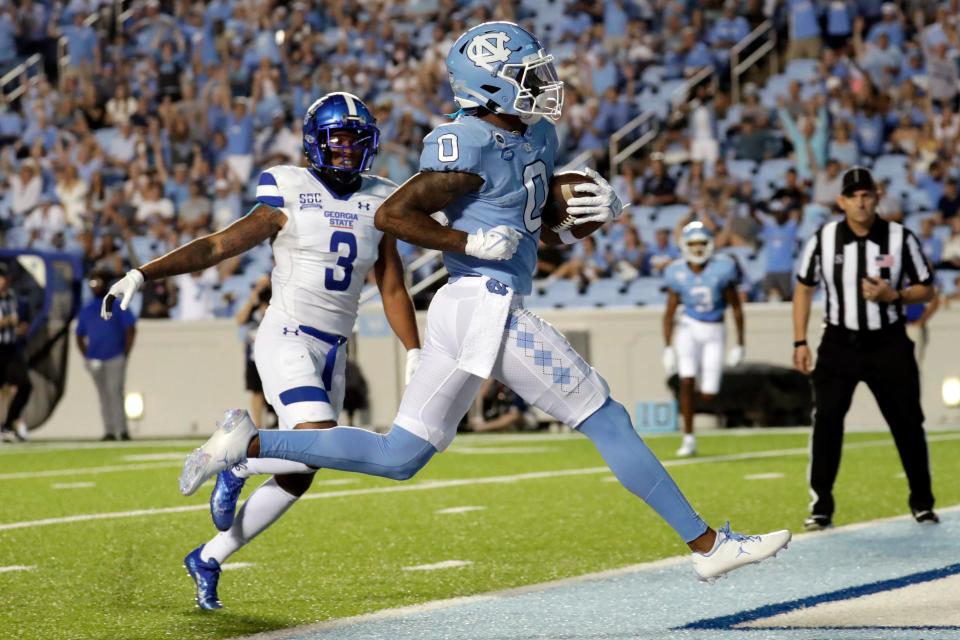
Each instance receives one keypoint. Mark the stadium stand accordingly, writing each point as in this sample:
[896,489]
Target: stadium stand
[167,111]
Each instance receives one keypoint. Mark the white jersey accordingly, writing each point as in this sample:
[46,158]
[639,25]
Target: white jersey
[326,248]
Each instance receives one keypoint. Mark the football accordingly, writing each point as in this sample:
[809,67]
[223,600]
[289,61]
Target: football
[555,216]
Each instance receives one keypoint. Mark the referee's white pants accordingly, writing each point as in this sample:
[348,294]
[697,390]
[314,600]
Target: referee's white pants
[534,360]
[699,346]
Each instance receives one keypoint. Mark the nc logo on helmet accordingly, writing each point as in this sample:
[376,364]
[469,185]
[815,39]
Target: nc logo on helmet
[488,48]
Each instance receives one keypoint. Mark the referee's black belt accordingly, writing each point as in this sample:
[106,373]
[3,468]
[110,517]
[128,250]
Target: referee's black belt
[875,337]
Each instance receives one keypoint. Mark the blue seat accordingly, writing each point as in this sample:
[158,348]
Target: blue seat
[669,215]
[607,292]
[892,166]
[646,291]
[562,293]
[947,280]
[742,169]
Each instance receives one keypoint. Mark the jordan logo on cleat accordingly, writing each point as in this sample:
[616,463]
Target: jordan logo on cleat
[741,552]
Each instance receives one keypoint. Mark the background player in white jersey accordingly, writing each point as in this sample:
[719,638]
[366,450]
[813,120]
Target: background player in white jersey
[320,220]
[704,284]
[488,171]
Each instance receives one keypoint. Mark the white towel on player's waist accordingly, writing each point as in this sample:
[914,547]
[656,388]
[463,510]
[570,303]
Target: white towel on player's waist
[481,344]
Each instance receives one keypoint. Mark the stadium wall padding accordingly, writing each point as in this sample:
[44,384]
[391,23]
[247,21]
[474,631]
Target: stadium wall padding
[190,372]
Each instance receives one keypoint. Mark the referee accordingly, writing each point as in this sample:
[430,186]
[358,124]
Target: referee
[870,270]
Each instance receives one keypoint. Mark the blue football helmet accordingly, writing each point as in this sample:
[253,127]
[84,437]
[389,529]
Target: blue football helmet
[335,112]
[503,68]
[696,243]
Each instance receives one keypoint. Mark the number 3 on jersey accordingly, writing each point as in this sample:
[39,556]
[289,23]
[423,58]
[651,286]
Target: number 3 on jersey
[337,239]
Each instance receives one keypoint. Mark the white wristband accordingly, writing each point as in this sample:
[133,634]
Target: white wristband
[566,236]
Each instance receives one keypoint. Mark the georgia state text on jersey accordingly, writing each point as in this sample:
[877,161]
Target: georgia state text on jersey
[516,170]
[702,293]
[326,247]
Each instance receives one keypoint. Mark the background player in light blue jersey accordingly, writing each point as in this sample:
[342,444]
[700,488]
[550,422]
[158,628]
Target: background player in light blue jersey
[488,171]
[704,284]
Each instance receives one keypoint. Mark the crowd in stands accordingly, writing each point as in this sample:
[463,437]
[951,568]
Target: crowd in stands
[155,127]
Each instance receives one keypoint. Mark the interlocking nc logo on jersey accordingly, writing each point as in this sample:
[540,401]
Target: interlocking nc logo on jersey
[487,48]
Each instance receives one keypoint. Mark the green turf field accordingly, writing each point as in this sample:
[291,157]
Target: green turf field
[549,511]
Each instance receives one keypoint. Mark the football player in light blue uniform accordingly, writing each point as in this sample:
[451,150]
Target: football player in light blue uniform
[704,284]
[489,171]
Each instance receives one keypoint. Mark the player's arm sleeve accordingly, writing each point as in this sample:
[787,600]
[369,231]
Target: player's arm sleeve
[917,266]
[808,271]
[452,148]
[268,190]
[670,280]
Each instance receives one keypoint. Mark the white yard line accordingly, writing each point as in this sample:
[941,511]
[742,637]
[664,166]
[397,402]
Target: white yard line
[112,468]
[17,567]
[230,566]
[763,476]
[500,451]
[446,564]
[73,485]
[461,482]
[453,510]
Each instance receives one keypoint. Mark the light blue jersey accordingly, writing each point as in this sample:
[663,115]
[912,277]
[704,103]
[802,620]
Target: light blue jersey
[516,170]
[702,293]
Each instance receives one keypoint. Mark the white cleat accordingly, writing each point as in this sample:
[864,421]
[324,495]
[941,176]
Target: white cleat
[225,448]
[734,550]
[687,449]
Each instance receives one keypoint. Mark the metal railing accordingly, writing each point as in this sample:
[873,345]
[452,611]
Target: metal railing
[25,74]
[421,261]
[579,161]
[649,121]
[738,67]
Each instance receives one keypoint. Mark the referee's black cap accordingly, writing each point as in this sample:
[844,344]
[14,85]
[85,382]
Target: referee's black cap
[857,179]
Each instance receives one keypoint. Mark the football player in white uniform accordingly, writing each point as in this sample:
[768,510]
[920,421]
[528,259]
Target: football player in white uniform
[704,284]
[489,171]
[320,219]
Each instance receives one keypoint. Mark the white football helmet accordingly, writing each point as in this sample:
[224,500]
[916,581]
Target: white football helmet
[696,243]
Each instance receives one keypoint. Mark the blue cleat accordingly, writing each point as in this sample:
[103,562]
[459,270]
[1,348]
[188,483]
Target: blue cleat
[206,575]
[223,500]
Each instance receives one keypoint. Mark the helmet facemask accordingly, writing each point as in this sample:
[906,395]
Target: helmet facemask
[539,89]
[697,250]
[348,149]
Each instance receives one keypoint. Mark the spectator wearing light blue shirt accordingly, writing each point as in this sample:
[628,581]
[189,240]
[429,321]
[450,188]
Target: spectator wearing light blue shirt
[8,34]
[931,183]
[869,132]
[809,139]
[239,133]
[890,25]
[840,17]
[804,28]
[83,51]
[727,31]
[779,236]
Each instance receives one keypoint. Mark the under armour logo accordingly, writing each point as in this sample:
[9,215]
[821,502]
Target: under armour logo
[364,205]
[295,332]
[488,48]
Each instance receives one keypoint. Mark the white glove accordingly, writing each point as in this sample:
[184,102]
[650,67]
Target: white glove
[413,361]
[669,360]
[735,355]
[123,289]
[602,206]
[499,243]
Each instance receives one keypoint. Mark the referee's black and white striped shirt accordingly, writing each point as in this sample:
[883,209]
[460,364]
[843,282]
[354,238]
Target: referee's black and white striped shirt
[840,259]
[8,307]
